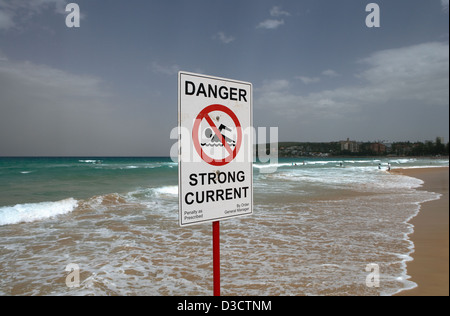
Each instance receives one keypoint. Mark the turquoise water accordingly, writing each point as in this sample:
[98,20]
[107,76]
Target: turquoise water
[317,223]
[31,180]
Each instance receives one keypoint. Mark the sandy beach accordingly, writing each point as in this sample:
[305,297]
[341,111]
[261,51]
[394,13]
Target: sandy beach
[430,267]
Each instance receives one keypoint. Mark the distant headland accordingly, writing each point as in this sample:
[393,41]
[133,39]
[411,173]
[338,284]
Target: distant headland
[352,148]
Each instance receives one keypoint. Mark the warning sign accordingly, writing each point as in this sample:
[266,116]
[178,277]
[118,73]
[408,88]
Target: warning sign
[215,155]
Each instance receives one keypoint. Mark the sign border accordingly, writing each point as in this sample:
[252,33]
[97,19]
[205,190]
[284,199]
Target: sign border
[180,212]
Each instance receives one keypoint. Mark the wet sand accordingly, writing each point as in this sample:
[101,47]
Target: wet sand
[430,267]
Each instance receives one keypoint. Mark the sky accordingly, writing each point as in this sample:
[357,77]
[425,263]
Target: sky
[319,73]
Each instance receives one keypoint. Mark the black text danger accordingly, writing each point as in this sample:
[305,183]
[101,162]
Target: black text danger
[214,91]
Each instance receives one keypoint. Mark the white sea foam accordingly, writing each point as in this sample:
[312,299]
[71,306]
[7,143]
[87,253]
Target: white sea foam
[169,190]
[273,165]
[35,211]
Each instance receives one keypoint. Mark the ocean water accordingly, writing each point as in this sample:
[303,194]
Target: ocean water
[319,225]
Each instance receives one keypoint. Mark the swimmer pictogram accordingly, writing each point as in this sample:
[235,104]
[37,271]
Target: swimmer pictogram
[214,140]
[216,136]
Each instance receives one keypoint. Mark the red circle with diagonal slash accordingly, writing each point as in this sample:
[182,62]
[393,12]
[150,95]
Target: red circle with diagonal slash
[204,114]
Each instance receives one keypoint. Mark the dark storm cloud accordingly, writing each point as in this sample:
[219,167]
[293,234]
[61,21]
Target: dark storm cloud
[398,88]
[46,111]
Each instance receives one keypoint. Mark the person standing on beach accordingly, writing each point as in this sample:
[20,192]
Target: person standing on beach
[389,166]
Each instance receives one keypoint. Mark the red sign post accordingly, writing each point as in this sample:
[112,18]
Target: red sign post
[216,257]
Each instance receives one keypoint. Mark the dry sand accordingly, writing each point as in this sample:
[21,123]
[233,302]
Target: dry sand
[430,267]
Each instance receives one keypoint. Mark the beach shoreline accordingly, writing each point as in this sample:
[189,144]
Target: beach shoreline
[429,268]
[317,230]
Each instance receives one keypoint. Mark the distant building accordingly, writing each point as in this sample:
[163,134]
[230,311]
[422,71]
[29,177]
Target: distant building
[349,145]
[378,148]
[388,146]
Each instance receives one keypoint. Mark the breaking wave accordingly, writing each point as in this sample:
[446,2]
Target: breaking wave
[31,212]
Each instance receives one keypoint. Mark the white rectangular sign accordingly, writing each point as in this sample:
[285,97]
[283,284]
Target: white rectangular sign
[216,148]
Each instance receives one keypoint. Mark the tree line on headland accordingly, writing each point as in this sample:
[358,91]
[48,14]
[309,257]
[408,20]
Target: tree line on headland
[357,149]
